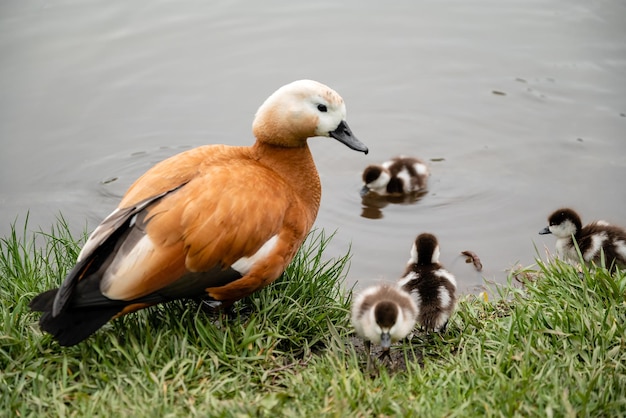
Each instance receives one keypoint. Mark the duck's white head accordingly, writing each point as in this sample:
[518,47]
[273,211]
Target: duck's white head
[301,110]
[563,223]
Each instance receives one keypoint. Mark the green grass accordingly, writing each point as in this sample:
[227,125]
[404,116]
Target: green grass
[557,347]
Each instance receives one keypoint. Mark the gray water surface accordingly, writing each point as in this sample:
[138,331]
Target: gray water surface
[519,106]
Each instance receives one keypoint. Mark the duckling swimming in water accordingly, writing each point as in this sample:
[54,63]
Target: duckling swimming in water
[383,314]
[398,176]
[432,287]
[593,240]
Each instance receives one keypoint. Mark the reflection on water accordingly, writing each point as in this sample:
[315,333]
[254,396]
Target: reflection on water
[115,174]
[374,203]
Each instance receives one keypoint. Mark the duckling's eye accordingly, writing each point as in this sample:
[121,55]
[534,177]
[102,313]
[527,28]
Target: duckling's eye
[322,108]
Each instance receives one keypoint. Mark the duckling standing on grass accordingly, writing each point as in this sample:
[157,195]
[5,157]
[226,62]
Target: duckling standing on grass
[432,287]
[594,240]
[398,176]
[383,314]
[217,221]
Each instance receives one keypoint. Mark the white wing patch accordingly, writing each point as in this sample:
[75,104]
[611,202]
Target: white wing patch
[124,269]
[406,179]
[446,275]
[403,281]
[620,248]
[421,169]
[444,297]
[597,241]
[245,264]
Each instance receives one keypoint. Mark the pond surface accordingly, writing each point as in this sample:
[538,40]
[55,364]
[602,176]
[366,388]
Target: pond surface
[519,107]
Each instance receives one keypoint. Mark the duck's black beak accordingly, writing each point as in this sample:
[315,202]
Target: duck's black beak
[545,231]
[344,135]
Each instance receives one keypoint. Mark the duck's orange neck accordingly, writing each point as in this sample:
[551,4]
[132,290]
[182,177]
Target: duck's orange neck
[296,166]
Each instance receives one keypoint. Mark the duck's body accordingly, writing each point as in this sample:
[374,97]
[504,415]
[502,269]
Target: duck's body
[217,221]
[432,287]
[594,240]
[398,176]
[383,314]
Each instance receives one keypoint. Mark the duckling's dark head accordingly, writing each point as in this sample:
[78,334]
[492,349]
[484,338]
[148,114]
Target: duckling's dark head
[386,315]
[371,173]
[425,250]
[562,215]
[563,222]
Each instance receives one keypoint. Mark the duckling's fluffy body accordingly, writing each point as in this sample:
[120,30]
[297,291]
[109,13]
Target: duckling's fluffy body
[383,314]
[400,175]
[432,287]
[593,240]
[217,222]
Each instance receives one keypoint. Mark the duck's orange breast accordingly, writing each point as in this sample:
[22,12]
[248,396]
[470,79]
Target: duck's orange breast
[225,204]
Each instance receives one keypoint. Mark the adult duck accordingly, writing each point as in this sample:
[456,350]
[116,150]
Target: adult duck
[218,221]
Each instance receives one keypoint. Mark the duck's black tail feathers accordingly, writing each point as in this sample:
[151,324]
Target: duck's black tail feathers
[43,301]
[70,328]
[72,325]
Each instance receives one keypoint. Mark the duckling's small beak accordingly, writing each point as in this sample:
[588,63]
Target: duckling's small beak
[545,231]
[385,341]
[364,190]
[344,134]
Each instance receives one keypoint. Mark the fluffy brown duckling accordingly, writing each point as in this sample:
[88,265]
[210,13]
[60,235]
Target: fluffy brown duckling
[432,287]
[594,240]
[383,314]
[398,176]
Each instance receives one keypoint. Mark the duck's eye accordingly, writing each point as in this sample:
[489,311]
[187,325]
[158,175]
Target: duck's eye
[322,108]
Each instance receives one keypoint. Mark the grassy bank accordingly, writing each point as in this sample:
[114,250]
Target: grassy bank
[556,348]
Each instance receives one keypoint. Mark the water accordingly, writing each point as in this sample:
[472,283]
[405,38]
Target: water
[518,106]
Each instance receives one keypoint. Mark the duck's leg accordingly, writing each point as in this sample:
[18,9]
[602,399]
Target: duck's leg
[216,308]
[387,354]
[368,347]
[443,327]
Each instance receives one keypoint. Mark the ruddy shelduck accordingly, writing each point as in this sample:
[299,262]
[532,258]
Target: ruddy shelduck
[383,314]
[218,221]
[398,176]
[432,287]
[595,240]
